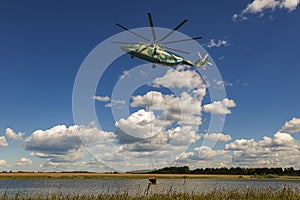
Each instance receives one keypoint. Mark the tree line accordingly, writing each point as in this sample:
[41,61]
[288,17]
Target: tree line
[290,171]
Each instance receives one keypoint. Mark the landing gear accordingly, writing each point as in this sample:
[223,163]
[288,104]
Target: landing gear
[131,57]
[153,66]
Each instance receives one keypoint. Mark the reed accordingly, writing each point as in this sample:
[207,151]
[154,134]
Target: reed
[285,193]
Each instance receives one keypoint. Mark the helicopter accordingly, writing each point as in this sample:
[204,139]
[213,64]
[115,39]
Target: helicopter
[156,52]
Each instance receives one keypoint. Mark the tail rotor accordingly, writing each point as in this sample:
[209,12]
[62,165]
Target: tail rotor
[199,54]
[202,61]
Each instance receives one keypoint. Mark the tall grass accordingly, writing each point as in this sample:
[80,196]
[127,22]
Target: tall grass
[285,193]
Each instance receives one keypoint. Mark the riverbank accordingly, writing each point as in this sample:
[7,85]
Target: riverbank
[86,175]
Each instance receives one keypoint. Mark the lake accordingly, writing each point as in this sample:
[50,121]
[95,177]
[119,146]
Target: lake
[134,186]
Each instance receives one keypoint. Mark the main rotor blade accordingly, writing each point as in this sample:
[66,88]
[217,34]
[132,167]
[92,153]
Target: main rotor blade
[151,24]
[183,40]
[115,42]
[134,33]
[174,29]
[174,49]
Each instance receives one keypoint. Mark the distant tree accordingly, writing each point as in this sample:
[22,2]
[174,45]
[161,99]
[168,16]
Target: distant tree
[233,170]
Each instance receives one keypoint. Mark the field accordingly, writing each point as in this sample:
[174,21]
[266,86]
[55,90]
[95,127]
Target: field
[73,175]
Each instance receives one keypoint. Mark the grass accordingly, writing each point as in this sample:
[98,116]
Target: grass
[236,194]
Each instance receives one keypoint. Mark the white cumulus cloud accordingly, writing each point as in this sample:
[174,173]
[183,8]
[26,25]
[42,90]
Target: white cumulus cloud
[217,137]
[240,144]
[283,139]
[12,135]
[2,163]
[141,124]
[220,107]
[115,103]
[152,98]
[101,98]
[181,78]
[219,43]
[199,153]
[24,162]
[291,126]
[258,6]
[62,144]
[184,109]
[222,83]
[3,142]
[278,151]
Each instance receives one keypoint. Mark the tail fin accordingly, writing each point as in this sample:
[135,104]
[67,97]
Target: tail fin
[202,61]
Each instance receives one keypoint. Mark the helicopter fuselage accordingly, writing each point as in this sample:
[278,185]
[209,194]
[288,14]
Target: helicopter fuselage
[154,54]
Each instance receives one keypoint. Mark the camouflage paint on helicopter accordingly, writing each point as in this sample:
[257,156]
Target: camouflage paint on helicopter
[158,55]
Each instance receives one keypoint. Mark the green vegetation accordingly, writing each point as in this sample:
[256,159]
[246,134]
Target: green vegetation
[275,172]
[167,172]
[249,194]
[263,176]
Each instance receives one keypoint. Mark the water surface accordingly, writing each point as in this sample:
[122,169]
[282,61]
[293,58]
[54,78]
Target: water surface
[134,186]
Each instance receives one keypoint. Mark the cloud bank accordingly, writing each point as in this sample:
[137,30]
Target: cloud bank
[162,124]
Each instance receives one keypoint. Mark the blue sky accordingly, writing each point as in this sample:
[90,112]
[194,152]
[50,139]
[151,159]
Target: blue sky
[42,45]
